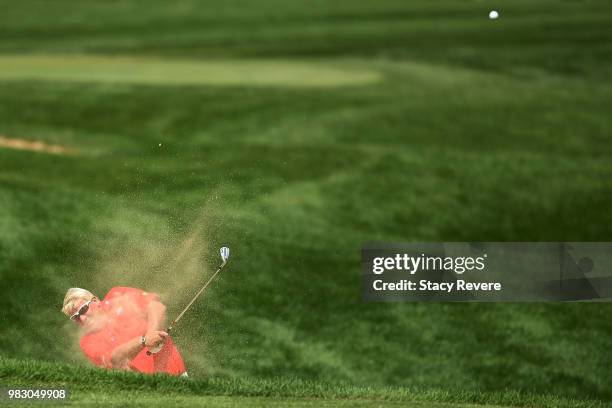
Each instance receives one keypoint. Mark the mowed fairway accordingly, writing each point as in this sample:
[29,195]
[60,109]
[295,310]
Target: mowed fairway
[294,132]
[150,71]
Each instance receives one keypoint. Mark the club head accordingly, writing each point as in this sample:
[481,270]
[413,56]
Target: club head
[225,252]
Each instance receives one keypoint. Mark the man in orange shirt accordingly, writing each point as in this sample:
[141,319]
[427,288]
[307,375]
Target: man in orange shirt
[119,329]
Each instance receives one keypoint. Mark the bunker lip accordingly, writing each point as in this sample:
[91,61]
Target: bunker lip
[33,146]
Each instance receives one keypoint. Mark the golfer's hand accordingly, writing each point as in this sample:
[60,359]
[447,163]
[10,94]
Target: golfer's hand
[155,338]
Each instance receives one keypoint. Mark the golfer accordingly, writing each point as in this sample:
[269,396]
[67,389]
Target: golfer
[119,329]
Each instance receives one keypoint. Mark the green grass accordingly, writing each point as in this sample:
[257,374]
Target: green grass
[293,132]
[97,387]
[179,72]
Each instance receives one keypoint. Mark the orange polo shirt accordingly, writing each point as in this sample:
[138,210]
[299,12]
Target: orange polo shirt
[118,318]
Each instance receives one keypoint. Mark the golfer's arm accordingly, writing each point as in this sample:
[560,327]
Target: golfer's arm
[156,316]
[123,354]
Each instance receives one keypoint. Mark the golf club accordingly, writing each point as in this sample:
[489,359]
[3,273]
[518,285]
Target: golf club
[225,252]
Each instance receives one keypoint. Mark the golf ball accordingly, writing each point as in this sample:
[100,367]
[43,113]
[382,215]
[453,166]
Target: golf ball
[493,14]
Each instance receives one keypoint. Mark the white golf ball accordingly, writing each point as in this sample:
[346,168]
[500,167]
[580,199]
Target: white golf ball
[493,14]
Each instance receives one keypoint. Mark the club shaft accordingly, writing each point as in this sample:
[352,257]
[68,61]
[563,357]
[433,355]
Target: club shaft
[169,329]
[195,297]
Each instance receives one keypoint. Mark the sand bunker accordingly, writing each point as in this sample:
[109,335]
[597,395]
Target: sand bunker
[33,145]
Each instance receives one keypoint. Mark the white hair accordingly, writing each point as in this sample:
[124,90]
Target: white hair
[73,296]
